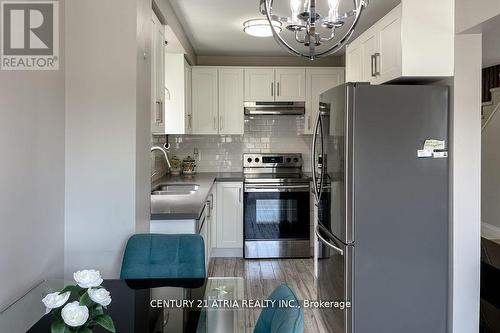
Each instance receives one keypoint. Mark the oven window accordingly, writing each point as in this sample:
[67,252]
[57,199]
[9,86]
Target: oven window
[272,210]
[272,216]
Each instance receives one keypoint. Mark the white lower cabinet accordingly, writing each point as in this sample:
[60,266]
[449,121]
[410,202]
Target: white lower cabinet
[229,218]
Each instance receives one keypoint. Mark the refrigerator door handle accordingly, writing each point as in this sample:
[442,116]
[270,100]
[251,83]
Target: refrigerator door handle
[313,157]
[327,243]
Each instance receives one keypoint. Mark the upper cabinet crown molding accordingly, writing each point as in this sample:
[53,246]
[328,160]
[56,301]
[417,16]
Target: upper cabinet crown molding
[414,40]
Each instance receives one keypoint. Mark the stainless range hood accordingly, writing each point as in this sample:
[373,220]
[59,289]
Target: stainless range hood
[275,108]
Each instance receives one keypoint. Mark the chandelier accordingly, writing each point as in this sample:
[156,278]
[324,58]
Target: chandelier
[311,29]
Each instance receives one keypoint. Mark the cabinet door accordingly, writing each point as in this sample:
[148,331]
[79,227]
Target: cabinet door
[205,100]
[230,215]
[188,97]
[388,64]
[354,63]
[319,80]
[175,90]
[231,91]
[157,76]
[259,85]
[204,233]
[290,84]
[369,48]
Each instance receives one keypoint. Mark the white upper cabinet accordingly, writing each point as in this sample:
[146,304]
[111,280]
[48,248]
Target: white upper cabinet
[369,49]
[399,46]
[354,59]
[205,100]
[231,93]
[217,100]
[157,76]
[319,80]
[275,84]
[290,84]
[177,94]
[187,89]
[259,85]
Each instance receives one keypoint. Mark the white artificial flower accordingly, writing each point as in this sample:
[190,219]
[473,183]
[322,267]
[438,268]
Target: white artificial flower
[74,314]
[88,278]
[55,300]
[100,296]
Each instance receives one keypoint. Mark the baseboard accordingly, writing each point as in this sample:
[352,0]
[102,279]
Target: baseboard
[227,253]
[490,231]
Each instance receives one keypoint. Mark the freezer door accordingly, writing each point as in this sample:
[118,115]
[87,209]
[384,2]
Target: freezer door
[335,264]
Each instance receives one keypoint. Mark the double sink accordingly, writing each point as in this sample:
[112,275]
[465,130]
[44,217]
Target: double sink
[175,189]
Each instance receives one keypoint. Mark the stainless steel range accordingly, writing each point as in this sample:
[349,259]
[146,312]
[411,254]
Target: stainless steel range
[276,206]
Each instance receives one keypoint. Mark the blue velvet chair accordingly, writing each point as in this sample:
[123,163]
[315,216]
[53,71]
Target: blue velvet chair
[159,256]
[281,319]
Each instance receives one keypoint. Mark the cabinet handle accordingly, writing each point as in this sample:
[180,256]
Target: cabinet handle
[272,88]
[158,112]
[372,65]
[215,123]
[239,194]
[377,70]
[161,112]
[211,201]
[190,121]
[278,88]
[207,205]
[308,122]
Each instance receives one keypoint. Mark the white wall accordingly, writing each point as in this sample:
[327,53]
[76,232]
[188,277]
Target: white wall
[491,45]
[469,14]
[466,184]
[107,130]
[31,177]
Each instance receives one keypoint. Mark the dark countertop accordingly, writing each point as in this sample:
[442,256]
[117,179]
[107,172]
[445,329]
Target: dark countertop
[187,207]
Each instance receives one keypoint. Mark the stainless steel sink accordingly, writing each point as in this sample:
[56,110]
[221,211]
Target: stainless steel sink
[175,189]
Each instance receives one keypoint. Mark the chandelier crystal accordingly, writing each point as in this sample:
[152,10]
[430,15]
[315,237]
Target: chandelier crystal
[308,26]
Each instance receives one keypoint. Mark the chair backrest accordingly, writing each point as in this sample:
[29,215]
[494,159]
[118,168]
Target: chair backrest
[281,319]
[160,256]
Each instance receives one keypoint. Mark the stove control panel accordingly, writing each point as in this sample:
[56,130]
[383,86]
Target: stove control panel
[291,160]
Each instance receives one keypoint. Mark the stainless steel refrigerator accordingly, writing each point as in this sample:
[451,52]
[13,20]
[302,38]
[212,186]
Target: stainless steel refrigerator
[381,194]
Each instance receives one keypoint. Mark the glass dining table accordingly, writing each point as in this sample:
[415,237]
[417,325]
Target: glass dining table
[142,306]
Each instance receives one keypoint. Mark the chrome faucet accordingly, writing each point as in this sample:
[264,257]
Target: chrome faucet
[157,148]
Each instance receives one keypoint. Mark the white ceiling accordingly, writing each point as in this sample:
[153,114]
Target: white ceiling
[214,27]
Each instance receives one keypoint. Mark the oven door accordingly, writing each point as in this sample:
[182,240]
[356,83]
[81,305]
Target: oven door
[276,212]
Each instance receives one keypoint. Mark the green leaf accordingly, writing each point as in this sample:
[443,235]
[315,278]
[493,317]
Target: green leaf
[106,322]
[85,299]
[97,311]
[74,290]
[57,326]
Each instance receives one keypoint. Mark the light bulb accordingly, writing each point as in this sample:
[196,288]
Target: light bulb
[295,6]
[307,6]
[333,13]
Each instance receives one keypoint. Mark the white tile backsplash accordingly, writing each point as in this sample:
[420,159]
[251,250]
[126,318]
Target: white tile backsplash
[223,153]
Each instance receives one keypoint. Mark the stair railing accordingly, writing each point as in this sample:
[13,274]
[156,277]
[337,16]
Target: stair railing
[490,117]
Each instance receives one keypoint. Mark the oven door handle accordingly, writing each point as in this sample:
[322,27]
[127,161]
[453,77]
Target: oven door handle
[276,188]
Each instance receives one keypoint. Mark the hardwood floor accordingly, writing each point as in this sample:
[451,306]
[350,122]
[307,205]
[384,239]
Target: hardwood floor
[262,276]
